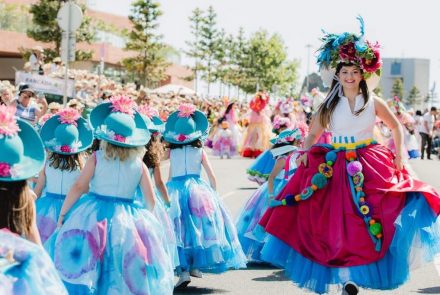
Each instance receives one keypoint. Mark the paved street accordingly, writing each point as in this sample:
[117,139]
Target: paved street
[235,189]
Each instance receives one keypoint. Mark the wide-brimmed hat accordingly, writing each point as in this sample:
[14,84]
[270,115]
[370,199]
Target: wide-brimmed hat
[26,88]
[67,133]
[185,125]
[151,118]
[54,106]
[22,153]
[285,137]
[119,123]
[350,48]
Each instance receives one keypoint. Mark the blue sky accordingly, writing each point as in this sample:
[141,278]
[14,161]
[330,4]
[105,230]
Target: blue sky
[404,28]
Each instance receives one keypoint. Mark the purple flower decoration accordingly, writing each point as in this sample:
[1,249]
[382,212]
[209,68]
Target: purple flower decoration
[200,202]
[46,227]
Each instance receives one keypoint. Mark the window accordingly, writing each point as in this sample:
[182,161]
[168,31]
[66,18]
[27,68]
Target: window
[396,69]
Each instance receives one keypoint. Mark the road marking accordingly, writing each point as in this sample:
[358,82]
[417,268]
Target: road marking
[224,196]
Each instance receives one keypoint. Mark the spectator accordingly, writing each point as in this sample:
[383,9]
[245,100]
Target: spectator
[26,108]
[427,130]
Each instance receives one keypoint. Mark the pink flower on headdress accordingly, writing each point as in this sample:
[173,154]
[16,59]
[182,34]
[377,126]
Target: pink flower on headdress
[372,65]
[119,138]
[65,149]
[8,124]
[281,121]
[347,52]
[181,137]
[303,128]
[68,116]
[122,104]
[148,111]
[186,110]
[44,118]
[5,170]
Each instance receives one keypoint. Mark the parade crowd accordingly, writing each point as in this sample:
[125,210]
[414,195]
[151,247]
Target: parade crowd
[85,208]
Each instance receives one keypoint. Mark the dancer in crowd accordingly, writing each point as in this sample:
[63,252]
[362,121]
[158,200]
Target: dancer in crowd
[351,214]
[25,268]
[206,237]
[223,144]
[115,245]
[284,151]
[262,166]
[66,136]
[257,134]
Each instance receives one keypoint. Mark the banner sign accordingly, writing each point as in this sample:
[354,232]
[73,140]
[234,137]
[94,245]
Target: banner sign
[45,84]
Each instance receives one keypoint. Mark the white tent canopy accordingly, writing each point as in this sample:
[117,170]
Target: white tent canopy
[174,89]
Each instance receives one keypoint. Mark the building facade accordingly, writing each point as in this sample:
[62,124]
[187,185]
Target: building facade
[412,71]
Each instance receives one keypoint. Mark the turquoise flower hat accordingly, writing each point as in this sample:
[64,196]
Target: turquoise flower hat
[119,123]
[284,138]
[151,118]
[185,125]
[67,133]
[22,152]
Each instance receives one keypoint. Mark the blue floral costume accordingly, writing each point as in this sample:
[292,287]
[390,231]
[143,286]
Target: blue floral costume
[206,236]
[108,244]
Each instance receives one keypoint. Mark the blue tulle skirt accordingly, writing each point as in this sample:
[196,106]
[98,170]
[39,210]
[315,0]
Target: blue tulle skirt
[261,167]
[206,237]
[30,272]
[161,213]
[48,208]
[250,234]
[110,245]
[416,241]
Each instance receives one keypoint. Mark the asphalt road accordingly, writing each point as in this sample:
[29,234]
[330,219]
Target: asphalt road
[234,188]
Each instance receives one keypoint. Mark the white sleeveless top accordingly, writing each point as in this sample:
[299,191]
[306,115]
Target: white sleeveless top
[60,181]
[115,178]
[346,127]
[186,161]
[292,166]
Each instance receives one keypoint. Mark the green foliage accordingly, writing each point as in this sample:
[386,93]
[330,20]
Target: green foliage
[397,89]
[195,50]
[14,17]
[414,97]
[378,91]
[46,29]
[150,63]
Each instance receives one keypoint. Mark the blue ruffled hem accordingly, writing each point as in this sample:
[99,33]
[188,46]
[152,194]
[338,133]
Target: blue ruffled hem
[416,240]
[262,165]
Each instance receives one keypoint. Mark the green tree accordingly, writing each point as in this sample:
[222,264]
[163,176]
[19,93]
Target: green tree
[267,65]
[195,49]
[46,29]
[150,63]
[378,91]
[414,97]
[397,88]
[210,44]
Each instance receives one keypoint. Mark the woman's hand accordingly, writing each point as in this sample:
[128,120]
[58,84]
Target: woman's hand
[302,160]
[398,163]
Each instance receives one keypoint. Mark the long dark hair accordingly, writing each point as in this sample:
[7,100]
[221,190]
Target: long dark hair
[16,207]
[154,153]
[325,113]
[66,162]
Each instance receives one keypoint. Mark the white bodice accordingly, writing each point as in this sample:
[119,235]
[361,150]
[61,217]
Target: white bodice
[115,178]
[346,127]
[292,166]
[186,160]
[60,181]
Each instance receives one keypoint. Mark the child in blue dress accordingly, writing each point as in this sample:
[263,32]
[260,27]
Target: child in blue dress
[66,136]
[284,152]
[106,243]
[25,268]
[206,237]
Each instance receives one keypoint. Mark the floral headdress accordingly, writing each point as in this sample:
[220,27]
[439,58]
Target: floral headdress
[122,104]
[259,102]
[148,111]
[280,121]
[186,110]
[350,48]
[68,116]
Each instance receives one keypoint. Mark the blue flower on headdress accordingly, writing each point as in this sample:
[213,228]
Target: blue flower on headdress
[340,40]
[360,45]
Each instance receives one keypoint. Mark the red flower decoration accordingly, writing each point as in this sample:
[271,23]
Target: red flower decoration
[119,138]
[5,170]
[65,149]
[181,137]
[347,52]
[372,65]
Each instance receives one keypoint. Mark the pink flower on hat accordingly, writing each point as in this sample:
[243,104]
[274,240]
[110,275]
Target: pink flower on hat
[5,169]
[68,116]
[148,111]
[186,110]
[119,138]
[65,149]
[122,104]
[181,137]
[8,123]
